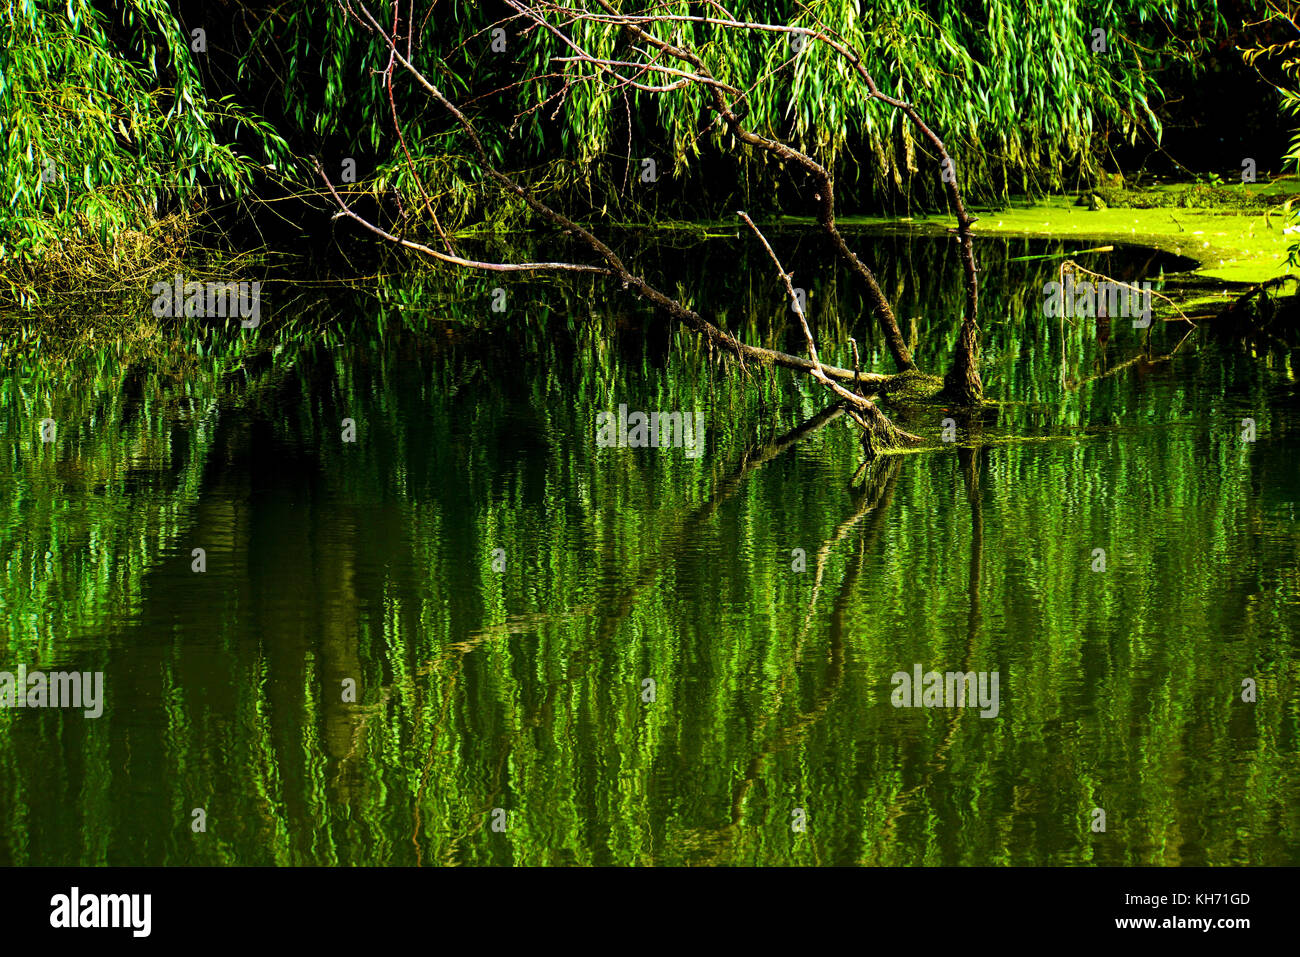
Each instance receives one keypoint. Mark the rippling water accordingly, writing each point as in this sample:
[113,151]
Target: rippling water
[564,653]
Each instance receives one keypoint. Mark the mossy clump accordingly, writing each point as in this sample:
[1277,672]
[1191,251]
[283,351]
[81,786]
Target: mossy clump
[912,386]
[1195,196]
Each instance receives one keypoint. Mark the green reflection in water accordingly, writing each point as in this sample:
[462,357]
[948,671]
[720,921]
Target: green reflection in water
[523,690]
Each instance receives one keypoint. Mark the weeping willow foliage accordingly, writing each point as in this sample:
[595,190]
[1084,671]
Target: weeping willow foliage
[1018,88]
[1274,46]
[1022,92]
[107,127]
[108,121]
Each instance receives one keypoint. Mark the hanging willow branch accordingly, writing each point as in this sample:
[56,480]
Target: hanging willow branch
[881,433]
[727,109]
[962,385]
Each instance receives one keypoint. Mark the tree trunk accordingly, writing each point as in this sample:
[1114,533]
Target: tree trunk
[879,435]
[962,385]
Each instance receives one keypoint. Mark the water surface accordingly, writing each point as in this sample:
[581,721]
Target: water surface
[523,688]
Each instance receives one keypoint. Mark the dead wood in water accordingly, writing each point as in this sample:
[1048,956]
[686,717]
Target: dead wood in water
[879,434]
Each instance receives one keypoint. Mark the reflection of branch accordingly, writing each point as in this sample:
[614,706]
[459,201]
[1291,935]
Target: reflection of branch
[1141,360]
[970,465]
[725,489]
[670,543]
[865,504]
[452,658]
[880,481]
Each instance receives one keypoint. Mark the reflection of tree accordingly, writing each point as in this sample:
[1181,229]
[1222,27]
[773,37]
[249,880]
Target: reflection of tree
[115,505]
[675,532]
[874,496]
[969,461]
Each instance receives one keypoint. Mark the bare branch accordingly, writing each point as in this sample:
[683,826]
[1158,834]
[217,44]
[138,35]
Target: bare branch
[450,258]
[852,398]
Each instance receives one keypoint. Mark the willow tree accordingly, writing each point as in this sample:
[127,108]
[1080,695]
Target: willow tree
[1031,96]
[654,60]
[107,127]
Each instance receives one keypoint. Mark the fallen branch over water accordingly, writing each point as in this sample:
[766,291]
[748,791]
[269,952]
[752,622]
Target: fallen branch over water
[879,433]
